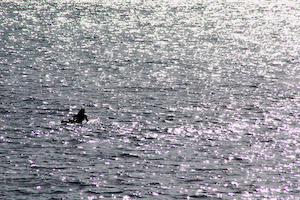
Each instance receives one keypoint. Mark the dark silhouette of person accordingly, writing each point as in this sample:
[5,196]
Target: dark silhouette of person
[77,118]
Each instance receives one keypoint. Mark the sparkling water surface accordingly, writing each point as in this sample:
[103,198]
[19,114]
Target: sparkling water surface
[187,99]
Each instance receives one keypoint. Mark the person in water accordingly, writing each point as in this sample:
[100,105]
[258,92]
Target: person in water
[77,118]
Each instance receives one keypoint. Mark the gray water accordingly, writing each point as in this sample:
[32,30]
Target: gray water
[187,99]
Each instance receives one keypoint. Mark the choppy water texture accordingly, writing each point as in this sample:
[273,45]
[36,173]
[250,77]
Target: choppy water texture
[193,99]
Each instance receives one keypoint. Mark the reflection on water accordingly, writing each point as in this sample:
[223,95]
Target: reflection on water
[187,100]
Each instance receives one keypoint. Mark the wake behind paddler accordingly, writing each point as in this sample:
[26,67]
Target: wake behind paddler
[78,118]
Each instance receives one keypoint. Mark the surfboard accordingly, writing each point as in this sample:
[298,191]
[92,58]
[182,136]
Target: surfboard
[91,121]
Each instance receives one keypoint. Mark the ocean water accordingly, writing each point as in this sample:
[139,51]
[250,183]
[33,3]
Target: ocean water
[186,99]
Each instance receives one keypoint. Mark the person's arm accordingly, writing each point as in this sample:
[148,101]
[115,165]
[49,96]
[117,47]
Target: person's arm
[86,118]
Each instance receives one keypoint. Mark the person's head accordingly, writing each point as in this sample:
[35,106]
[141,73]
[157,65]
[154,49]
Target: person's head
[81,111]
